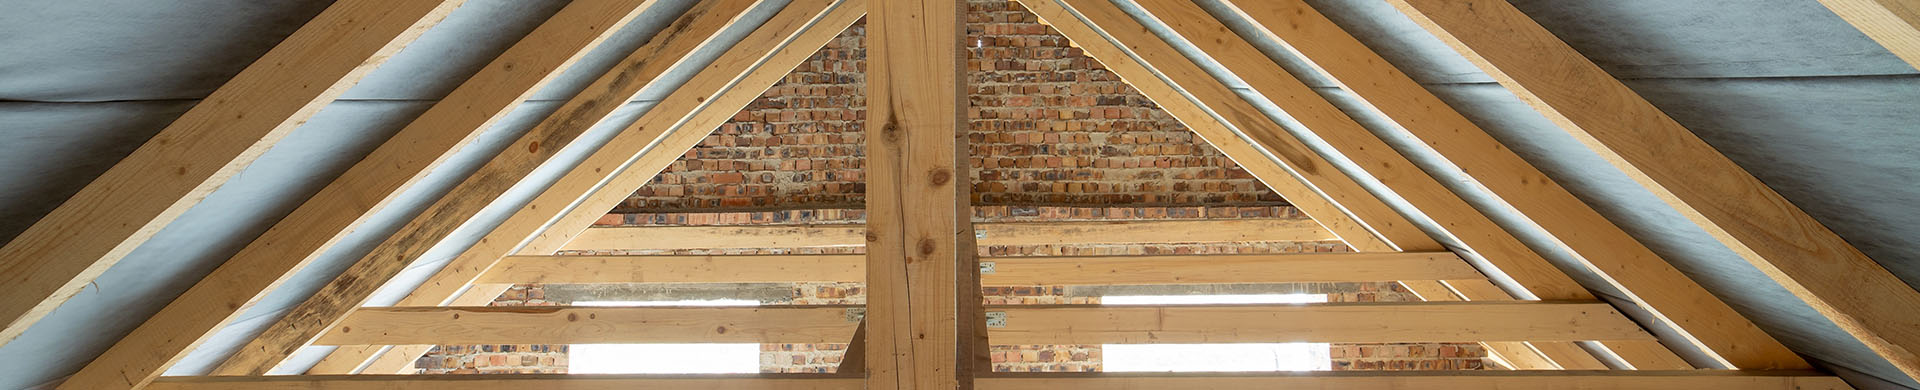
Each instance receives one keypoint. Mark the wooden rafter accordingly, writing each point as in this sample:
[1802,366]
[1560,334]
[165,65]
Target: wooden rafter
[703,103]
[923,288]
[338,208]
[1508,255]
[470,196]
[1715,327]
[70,247]
[1893,23]
[1393,230]
[991,233]
[1007,271]
[1738,210]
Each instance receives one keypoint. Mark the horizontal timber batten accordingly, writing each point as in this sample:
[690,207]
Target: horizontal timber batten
[589,325]
[1008,271]
[1372,380]
[1324,323]
[1025,324]
[1007,233]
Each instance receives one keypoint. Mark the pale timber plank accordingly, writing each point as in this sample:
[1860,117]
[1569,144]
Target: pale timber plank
[1025,325]
[1511,380]
[593,325]
[1893,23]
[1463,380]
[1185,79]
[992,233]
[515,382]
[356,194]
[704,102]
[1320,323]
[1009,271]
[1505,252]
[568,35]
[196,154]
[1366,224]
[1775,236]
[922,277]
[677,269]
[1630,266]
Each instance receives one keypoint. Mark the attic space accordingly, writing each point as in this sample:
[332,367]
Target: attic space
[960,194]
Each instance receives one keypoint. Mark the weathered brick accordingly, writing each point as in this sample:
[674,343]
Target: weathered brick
[1050,108]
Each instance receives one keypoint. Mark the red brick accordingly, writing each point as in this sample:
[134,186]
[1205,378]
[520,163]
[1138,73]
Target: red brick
[1024,79]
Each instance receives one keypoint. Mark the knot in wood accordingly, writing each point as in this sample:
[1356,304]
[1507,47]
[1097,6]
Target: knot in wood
[941,176]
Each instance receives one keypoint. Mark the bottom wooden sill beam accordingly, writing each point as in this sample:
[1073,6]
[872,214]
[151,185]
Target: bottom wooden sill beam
[1346,380]
[1423,380]
[513,382]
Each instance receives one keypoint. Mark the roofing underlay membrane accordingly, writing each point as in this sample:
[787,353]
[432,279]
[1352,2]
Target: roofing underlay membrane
[1785,88]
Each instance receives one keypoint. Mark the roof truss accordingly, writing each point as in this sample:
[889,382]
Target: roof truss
[927,328]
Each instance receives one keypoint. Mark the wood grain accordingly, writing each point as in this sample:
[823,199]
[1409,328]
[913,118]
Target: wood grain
[1026,324]
[592,325]
[568,35]
[1893,23]
[1429,380]
[1425,380]
[922,277]
[1318,323]
[514,382]
[1009,271]
[1183,79]
[1708,323]
[1778,238]
[991,233]
[120,210]
[764,56]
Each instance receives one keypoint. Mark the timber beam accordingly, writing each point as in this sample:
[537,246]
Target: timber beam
[995,271]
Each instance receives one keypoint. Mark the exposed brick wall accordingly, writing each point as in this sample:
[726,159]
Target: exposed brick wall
[1049,126]
[499,359]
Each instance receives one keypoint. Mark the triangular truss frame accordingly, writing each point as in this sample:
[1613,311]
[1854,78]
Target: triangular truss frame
[924,327]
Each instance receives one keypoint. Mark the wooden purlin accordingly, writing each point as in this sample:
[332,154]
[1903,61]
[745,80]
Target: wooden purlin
[989,233]
[1362,322]
[1008,271]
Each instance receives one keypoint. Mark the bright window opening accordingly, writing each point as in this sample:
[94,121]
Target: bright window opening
[1215,357]
[665,358]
